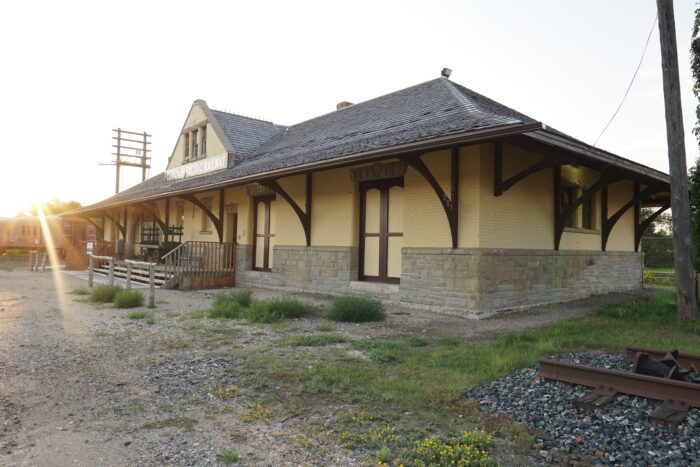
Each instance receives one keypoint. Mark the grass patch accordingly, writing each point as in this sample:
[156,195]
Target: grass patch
[104,293]
[228,455]
[138,315]
[275,311]
[128,299]
[223,331]
[313,340]
[447,340]
[257,413]
[422,378]
[230,305]
[416,341]
[324,328]
[380,350]
[197,314]
[351,309]
[173,422]
[80,291]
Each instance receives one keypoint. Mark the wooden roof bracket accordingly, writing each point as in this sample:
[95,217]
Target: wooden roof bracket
[450,204]
[608,223]
[91,222]
[305,215]
[641,227]
[500,185]
[122,228]
[151,209]
[560,218]
[218,223]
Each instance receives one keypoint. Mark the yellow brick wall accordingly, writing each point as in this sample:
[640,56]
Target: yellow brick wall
[334,212]
[289,228]
[522,217]
[469,196]
[622,235]
[425,222]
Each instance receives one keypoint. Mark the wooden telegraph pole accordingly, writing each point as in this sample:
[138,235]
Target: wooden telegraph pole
[682,247]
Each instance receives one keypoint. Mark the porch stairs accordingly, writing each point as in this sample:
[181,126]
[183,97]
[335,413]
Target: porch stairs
[139,275]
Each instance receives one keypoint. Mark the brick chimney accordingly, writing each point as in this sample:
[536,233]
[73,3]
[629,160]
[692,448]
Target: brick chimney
[341,105]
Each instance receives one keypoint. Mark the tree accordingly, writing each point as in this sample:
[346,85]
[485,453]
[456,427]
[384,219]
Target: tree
[694,176]
[52,207]
[662,226]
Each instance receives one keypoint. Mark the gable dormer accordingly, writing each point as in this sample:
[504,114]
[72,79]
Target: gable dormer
[202,146]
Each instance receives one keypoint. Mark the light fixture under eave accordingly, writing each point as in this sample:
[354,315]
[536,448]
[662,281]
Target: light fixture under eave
[446,72]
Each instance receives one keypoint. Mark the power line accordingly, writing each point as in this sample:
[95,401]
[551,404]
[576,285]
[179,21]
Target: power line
[631,81]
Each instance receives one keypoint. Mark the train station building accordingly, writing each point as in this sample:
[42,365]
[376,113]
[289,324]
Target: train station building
[434,196]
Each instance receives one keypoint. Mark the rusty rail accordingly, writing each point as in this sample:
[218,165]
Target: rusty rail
[676,396]
[684,359]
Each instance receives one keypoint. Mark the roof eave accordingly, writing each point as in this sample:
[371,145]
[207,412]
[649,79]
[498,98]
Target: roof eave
[472,136]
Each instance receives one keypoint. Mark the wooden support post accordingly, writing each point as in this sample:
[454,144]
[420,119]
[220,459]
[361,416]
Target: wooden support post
[36,260]
[43,261]
[31,264]
[151,286]
[128,275]
[111,271]
[90,271]
[221,214]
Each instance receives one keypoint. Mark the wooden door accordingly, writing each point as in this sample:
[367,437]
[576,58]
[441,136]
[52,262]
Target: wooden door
[264,233]
[381,230]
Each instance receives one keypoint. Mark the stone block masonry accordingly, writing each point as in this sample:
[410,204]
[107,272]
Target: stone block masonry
[482,281]
[470,282]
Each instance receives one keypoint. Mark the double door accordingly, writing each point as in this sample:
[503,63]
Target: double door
[381,230]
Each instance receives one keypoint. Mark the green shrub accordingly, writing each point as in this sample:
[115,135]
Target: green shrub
[128,299]
[356,309]
[104,293]
[274,311]
[380,350]
[313,340]
[230,305]
[416,341]
[225,308]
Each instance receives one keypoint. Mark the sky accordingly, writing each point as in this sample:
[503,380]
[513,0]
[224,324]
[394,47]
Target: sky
[73,71]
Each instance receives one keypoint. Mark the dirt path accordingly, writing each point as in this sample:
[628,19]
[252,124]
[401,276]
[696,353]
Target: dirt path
[80,385]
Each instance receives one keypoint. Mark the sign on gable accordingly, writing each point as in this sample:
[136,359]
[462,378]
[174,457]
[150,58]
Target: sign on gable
[200,167]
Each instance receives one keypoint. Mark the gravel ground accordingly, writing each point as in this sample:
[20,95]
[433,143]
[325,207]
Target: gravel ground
[83,386]
[617,434]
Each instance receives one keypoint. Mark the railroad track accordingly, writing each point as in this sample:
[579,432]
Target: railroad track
[676,396]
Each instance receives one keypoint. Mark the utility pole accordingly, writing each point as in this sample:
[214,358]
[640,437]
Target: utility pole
[130,155]
[680,203]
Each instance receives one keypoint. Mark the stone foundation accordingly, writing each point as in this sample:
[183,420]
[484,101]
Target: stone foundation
[468,282]
[478,282]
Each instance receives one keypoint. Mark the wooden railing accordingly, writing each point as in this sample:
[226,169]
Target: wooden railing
[201,259]
[96,262]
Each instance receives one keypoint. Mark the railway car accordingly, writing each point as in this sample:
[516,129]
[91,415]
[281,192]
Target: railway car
[25,233]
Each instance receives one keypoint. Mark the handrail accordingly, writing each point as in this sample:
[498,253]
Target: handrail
[173,250]
[139,263]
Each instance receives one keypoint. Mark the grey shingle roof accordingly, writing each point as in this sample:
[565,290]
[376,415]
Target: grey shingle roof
[244,133]
[429,110]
